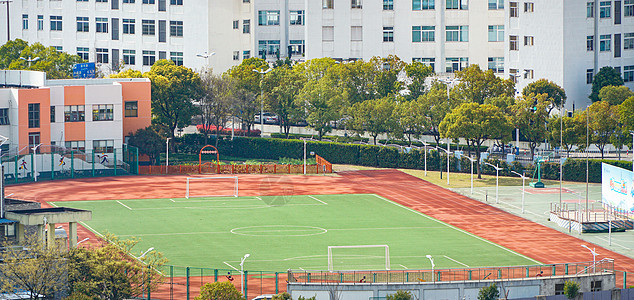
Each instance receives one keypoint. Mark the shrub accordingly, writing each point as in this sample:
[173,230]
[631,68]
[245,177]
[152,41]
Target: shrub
[219,290]
[282,296]
[400,295]
[489,292]
[571,289]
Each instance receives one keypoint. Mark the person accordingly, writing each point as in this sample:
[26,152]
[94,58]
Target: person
[103,157]
[229,276]
[540,274]
[62,162]
[23,165]
[362,279]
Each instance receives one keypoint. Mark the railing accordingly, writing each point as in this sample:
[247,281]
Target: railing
[235,169]
[327,167]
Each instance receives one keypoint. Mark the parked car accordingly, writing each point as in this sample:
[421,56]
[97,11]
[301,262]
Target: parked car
[269,118]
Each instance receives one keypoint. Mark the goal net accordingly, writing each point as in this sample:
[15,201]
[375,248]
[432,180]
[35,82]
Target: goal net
[359,257]
[211,187]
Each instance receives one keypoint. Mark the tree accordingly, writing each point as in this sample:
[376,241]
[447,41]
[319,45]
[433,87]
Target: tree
[436,106]
[476,123]
[281,89]
[489,292]
[127,73]
[573,129]
[112,271]
[605,77]
[148,141]
[556,94]
[56,64]
[603,122]
[386,72]
[10,52]
[571,289]
[282,296]
[400,295]
[374,117]
[412,122]
[417,72]
[216,102]
[247,88]
[615,95]
[477,86]
[219,290]
[34,267]
[320,102]
[530,114]
[626,114]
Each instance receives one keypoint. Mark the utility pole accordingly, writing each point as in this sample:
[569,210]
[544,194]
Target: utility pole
[8,23]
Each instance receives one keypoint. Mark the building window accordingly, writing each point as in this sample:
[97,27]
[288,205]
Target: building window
[496,64]
[34,115]
[297,47]
[529,7]
[559,288]
[176,28]
[34,140]
[605,9]
[458,4]
[454,64]
[82,24]
[327,4]
[496,4]
[103,146]
[56,23]
[590,10]
[246,26]
[388,34]
[236,24]
[103,112]
[25,21]
[75,145]
[83,52]
[74,113]
[102,24]
[605,42]
[148,2]
[148,27]
[513,45]
[296,17]
[129,57]
[58,48]
[589,75]
[176,2]
[177,58]
[128,1]
[236,55]
[528,74]
[514,12]
[628,40]
[496,33]
[595,285]
[246,54]
[388,4]
[149,57]
[356,33]
[40,22]
[101,1]
[428,61]
[628,73]
[423,4]
[128,26]
[529,40]
[327,33]
[355,4]
[4,116]
[268,47]
[423,34]
[131,109]
[590,43]
[268,17]
[457,33]
[102,55]
[52,114]
[628,8]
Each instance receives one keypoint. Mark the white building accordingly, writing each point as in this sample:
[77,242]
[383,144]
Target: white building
[568,41]
[280,29]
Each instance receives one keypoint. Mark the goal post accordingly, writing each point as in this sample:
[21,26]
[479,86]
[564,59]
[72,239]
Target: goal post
[223,186]
[331,248]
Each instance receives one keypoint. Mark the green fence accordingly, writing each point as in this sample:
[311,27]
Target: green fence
[52,162]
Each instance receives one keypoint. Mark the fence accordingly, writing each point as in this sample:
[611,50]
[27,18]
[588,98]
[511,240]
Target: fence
[52,162]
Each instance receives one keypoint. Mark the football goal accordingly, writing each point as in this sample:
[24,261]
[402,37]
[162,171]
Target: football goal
[359,257]
[226,186]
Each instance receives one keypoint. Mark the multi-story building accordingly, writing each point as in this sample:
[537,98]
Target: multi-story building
[280,29]
[446,34]
[568,42]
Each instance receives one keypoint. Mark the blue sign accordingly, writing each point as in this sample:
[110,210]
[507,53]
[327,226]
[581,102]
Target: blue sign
[85,70]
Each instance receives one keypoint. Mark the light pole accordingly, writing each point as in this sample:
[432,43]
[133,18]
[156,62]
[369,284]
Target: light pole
[167,154]
[206,56]
[8,23]
[262,72]
[523,187]
[448,152]
[497,181]
[587,160]
[594,256]
[30,60]
[425,145]
[472,161]
[146,252]
[3,139]
[632,148]
[431,259]
[242,273]
[304,156]
[35,161]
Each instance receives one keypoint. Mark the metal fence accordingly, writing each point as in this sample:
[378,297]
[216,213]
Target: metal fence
[51,162]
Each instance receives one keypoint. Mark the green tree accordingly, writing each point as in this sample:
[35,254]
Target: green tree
[603,122]
[400,295]
[56,64]
[216,103]
[605,77]
[282,296]
[127,73]
[436,106]
[320,101]
[148,141]
[615,95]
[571,289]
[247,88]
[282,87]
[556,94]
[489,292]
[476,85]
[626,113]
[412,122]
[476,123]
[573,129]
[356,80]
[10,52]
[386,71]
[530,114]
[374,117]
[417,72]
[219,290]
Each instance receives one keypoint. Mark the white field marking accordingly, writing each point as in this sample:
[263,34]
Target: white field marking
[404,267]
[451,259]
[52,204]
[458,229]
[259,198]
[304,257]
[230,266]
[221,207]
[90,228]
[525,210]
[225,199]
[613,243]
[175,233]
[301,268]
[124,205]
[172,200]
[387,228]
[314,198]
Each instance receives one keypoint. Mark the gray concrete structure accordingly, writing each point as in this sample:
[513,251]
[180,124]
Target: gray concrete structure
[49,217]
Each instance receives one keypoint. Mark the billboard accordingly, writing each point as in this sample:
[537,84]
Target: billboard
[84,70]
[617,188]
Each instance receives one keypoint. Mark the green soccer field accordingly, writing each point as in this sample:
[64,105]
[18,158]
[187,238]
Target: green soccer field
[293,232]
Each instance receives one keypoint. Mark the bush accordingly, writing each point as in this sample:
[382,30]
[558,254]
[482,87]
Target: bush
[571,289]
[282,296]
[489,292]
[400,295]
[219,290]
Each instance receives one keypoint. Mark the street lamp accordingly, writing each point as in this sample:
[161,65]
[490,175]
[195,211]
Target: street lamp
[431,259]
[497,180]
[167,154]
[3,139]
[206,56]
[35,161]
[30,60]
[448,152]
[262,72]
[472,161]
[425,144]
[242,273]
[146,252]
[594,256]
[523,187]
[632,148]
[304,156]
